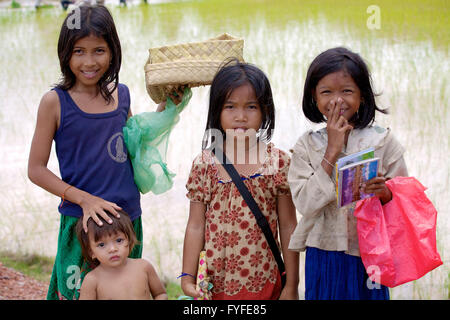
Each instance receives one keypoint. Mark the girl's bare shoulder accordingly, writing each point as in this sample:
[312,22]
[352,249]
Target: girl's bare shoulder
[50,104]
[49,111]
[49,99]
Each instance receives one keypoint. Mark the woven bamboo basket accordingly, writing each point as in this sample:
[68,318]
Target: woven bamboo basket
[193,64]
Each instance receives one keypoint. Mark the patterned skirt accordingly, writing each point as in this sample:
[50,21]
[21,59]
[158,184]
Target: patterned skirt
[70,267]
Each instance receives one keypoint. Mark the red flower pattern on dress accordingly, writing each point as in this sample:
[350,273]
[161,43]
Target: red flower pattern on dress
[220,240]
[234,263]
[233,239]
[238,256]
[218,284]
[235,215]
[256,282]
[232,286]
[219,264]
[256,259]
[254,235]
[223,217]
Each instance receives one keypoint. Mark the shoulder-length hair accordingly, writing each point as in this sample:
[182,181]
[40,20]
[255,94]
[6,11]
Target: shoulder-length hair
[334,60]
[230,76]
[93,20]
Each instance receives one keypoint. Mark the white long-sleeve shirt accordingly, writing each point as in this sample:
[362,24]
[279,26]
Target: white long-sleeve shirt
[322,224]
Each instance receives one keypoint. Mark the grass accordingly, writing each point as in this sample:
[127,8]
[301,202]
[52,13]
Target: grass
[15,4]
[173,290]
[40,268]
[32,265]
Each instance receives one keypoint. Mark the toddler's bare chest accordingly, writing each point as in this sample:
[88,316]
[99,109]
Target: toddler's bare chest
[124,287]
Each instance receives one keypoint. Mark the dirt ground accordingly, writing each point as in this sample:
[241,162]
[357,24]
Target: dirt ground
[16,286]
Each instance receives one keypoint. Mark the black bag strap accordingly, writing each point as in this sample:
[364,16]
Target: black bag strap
[260,218]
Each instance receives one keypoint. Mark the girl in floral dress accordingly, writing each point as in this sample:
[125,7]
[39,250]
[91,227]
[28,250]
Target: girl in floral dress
[240,262]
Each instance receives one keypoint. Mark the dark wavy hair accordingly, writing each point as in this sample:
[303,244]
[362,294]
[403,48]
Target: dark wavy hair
[93,20]
[122,224]
[230,76]
[334,60]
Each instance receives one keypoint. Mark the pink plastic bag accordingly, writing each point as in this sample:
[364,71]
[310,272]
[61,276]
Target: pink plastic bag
[397,241]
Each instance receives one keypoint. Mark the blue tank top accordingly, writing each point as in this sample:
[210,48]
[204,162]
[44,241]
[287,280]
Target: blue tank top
[92,154]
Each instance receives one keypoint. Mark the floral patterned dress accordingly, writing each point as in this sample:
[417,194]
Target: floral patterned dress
[240,262]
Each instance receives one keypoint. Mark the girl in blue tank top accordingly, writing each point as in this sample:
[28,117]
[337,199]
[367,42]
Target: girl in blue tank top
[84,114]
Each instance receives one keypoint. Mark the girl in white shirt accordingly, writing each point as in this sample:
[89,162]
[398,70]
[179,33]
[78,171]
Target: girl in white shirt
[337,91]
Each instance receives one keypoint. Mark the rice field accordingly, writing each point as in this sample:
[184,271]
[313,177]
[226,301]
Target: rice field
[408,56]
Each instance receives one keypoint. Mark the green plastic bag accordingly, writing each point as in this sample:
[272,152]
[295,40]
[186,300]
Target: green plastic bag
[146,136]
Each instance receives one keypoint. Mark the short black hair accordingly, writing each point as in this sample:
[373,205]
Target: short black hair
[93,20]
[230,76]
[334,60]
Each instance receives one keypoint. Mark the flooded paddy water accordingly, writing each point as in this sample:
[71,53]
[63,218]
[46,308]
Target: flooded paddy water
[408,56]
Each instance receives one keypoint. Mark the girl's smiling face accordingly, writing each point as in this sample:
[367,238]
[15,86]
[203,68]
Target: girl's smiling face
[334,86]
[241,111]
[90,60]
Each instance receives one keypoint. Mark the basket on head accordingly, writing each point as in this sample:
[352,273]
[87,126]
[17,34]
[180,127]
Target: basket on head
[193,64]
